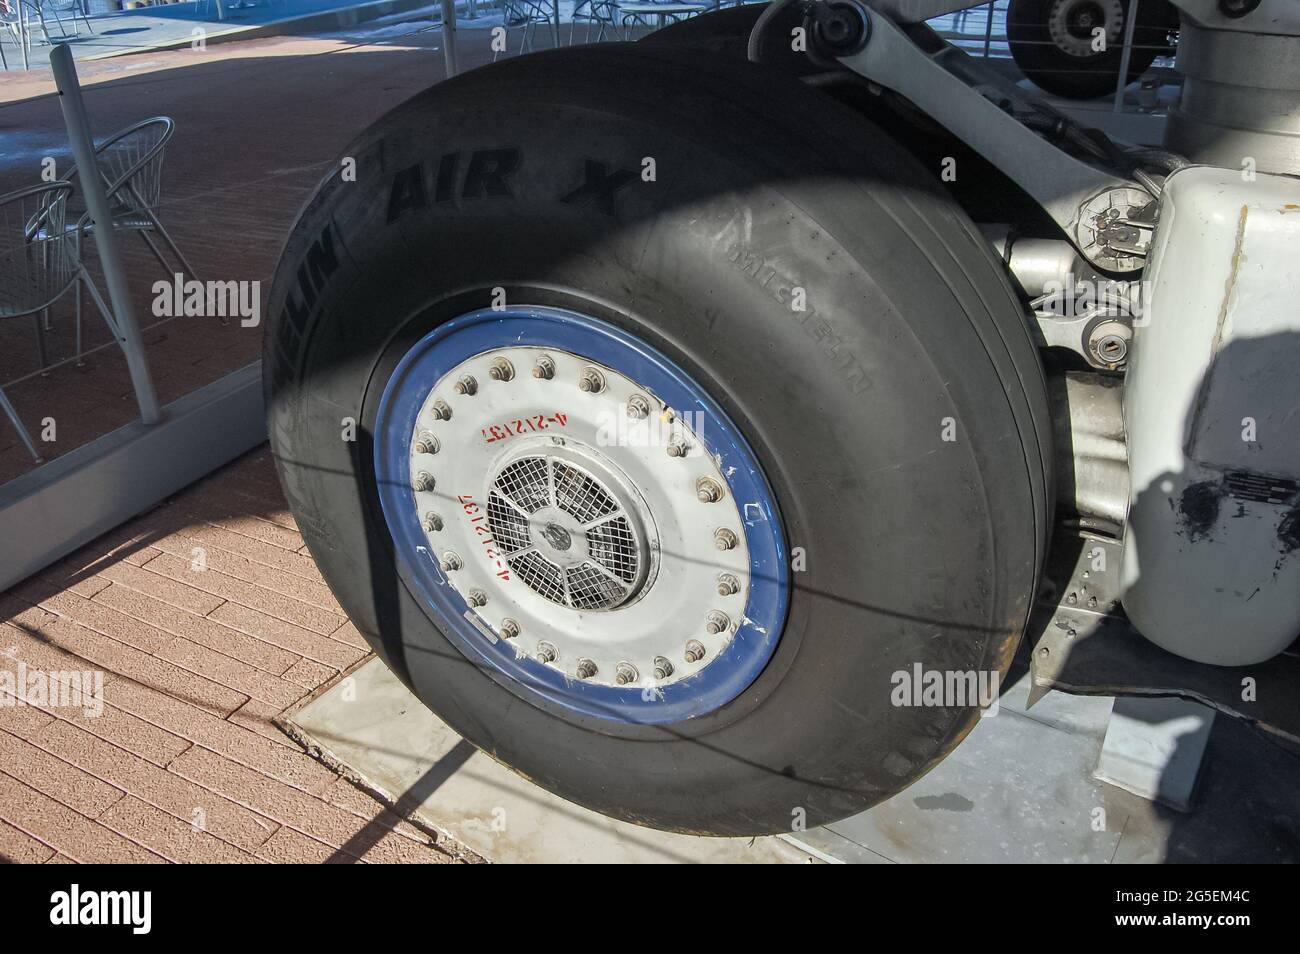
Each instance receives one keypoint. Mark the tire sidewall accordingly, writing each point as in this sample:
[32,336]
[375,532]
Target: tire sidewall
[850,484]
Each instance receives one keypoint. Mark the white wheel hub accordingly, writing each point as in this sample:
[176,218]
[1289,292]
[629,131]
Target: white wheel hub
[578,517]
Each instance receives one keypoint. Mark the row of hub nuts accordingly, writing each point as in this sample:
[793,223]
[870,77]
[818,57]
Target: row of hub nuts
[707,490]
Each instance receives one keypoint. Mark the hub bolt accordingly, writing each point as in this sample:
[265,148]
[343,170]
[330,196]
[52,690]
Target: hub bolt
[624,673]
[544,369]
[717,622]
[592,381]
[450,561]
[546,653]
[432,522]
[423,481]
[638,408]
[426,444]
[724,539]
[466,385]
[440,411]
[477,598]
[707,490]
[677,447]
[586,669]
[663,668]
[694,651]
[509,628]
[728,585]
[501,370]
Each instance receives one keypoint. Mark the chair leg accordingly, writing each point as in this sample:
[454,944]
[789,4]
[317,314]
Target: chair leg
[63,31]
[81,363]
[44,29]
[171,243]
[157,252]
[99,303]
[41,355]
[19,427]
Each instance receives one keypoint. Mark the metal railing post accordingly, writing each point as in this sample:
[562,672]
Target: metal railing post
[1130,27]
[449,37]
[92,184]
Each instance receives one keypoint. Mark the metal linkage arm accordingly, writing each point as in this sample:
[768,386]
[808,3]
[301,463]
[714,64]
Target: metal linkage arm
[977,106]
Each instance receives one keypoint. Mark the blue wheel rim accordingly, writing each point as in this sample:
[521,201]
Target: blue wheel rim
[437,353]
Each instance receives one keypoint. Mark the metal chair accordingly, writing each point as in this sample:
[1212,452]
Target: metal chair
[642,18]
[604,13]
[130,163]
[40,259]
[11,28]
[73,8]
[526,14]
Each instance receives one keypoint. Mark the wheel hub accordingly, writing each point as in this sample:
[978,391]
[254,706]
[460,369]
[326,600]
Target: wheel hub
[589,532]
[572,539]
[1071,24]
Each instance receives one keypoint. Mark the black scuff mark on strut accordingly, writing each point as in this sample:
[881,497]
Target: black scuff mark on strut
[1288,531]
[1198,508]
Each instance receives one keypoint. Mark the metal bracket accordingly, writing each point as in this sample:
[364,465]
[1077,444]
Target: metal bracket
[976,105]
[1084,644]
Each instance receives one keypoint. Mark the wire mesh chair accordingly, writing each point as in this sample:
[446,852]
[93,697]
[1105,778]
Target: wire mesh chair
[603,13]
[73,9]
[130,163]
[40,259]
[526,14]
[644,17]
[10,28]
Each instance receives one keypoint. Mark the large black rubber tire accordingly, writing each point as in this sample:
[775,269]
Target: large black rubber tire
[725,33]
[919,551]
[1053,69]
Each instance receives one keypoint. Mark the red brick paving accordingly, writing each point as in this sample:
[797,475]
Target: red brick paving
[184,763]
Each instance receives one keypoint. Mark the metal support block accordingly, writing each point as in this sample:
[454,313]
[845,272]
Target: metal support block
[1154,748]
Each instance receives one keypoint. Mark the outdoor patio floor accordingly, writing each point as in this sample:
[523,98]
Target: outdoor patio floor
[184,763]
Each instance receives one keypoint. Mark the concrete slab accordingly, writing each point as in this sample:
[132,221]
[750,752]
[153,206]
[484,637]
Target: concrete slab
[1020,788]
[371,725]
[100,485]
[1154,748]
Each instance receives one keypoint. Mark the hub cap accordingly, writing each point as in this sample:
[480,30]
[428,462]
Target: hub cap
[575,512]
[1072,22]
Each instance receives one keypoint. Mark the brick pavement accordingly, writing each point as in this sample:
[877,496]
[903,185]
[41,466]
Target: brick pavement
[207,618]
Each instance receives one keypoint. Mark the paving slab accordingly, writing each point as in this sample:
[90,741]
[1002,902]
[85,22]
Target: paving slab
[1020,788]
[371,724]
